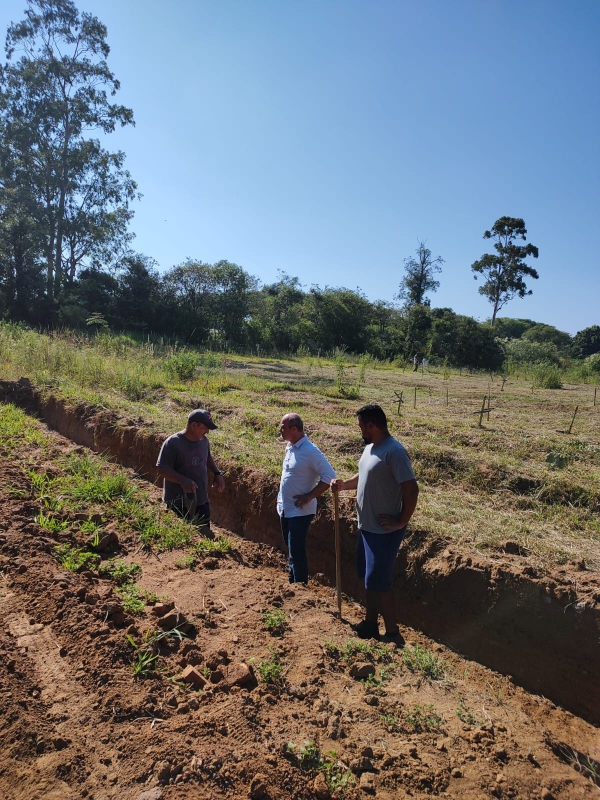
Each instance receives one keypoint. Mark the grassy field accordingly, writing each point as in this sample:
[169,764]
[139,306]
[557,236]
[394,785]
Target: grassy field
[520,477]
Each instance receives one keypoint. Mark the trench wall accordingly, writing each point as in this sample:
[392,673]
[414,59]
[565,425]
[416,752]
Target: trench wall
[549,643]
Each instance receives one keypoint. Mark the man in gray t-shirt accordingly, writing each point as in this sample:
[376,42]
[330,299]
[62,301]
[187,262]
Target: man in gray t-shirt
[183,463]
[386,497]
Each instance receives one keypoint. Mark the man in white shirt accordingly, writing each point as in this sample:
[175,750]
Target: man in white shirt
[306,474]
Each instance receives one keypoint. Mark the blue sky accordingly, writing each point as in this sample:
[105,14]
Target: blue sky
[325,138]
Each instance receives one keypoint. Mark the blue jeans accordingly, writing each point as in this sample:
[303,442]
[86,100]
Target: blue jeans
[294,530]
[376,555]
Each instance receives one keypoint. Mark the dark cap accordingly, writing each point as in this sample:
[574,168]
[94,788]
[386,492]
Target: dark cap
[200,415]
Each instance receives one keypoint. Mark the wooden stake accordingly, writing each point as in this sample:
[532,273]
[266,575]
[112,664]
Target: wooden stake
[446,395]
[400,400]
[573,420]
[488,408]
[415,403]
[481,413]
[595,390]
[338,558]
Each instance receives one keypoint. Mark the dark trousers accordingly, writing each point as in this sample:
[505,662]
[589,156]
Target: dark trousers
[294,530]
[201,518]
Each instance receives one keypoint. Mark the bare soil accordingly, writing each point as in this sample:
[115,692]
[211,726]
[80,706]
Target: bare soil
[76,723]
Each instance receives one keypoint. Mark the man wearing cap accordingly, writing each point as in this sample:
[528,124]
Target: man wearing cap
[183,463]
[305,476]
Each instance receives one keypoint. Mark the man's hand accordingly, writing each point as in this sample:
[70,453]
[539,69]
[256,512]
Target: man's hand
[390,523]
[301,500]
[188,485]
[337,484]
[219,480]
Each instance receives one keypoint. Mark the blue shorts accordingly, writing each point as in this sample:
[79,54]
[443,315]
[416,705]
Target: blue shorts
[376,557]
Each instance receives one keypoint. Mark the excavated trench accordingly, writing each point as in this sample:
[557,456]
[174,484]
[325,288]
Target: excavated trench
[537,629]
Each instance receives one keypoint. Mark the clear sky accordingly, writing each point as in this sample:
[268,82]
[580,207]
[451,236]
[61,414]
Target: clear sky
[324,138]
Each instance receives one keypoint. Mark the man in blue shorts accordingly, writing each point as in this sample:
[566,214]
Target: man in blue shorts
[386,497]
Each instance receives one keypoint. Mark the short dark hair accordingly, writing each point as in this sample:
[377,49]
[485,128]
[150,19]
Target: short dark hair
[373,413]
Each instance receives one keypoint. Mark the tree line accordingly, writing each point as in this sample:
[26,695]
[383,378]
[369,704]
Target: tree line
[65,245]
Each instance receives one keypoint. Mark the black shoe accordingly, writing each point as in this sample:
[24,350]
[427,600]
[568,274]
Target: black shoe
[394,638]
[366,629]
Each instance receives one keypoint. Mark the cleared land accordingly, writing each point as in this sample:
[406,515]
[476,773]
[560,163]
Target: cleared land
[107,606]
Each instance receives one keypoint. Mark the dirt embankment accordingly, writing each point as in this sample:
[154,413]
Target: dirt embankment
[542,629]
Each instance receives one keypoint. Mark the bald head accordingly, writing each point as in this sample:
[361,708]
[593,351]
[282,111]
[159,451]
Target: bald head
[291,428]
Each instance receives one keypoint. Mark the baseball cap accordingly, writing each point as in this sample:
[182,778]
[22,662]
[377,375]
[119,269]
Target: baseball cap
[200,415]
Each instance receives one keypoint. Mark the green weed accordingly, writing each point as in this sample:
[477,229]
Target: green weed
[134,598]
[75,559]
[464,714]
[146,652]
[337,776]
[423,718]
[376,652]
[271,669]
[420,660]
[275,620]
[390,721]
[220,544]
[119,571]
[51,524]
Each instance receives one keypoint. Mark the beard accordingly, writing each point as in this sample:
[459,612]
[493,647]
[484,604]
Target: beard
[367,440]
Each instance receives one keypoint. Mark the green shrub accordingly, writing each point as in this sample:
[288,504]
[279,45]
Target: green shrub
[182,366]
[547,376]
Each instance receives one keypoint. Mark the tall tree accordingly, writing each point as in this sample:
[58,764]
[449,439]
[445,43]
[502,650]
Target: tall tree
[56,91]
[505,271]
[420,277]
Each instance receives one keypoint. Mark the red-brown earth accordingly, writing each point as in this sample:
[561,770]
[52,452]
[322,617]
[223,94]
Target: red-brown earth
[75,721]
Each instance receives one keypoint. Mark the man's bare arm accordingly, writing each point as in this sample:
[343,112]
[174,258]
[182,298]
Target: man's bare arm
[410,496]
[219,480]
[302,499]
[169,474]
[338,485]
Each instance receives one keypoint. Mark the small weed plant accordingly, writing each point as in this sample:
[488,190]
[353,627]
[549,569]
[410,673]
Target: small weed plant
[270,670]
[419,659]
[146,652]
[275,621]
[75,559]
[51,524]
[120,572]
[309,759]
[423,718]
[390,721]
[464,714]
[135,599]
[220,544]
[376,652]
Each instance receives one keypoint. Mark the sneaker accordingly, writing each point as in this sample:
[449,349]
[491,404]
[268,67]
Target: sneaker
[366,629]
[394,638]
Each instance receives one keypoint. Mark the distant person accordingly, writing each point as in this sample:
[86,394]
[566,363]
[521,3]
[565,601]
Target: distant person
[386,497]
[306,474]
[425,362]
[416,362]
[183,463]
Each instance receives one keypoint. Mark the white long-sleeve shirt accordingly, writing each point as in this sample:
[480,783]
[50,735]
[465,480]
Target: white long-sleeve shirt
[304,465]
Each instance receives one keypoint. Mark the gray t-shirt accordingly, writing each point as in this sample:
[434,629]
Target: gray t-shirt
[187,458]
[381,470]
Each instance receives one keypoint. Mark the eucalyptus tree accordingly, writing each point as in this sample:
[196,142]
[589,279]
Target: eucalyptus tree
[505,270]
[419,278]
[54,89]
